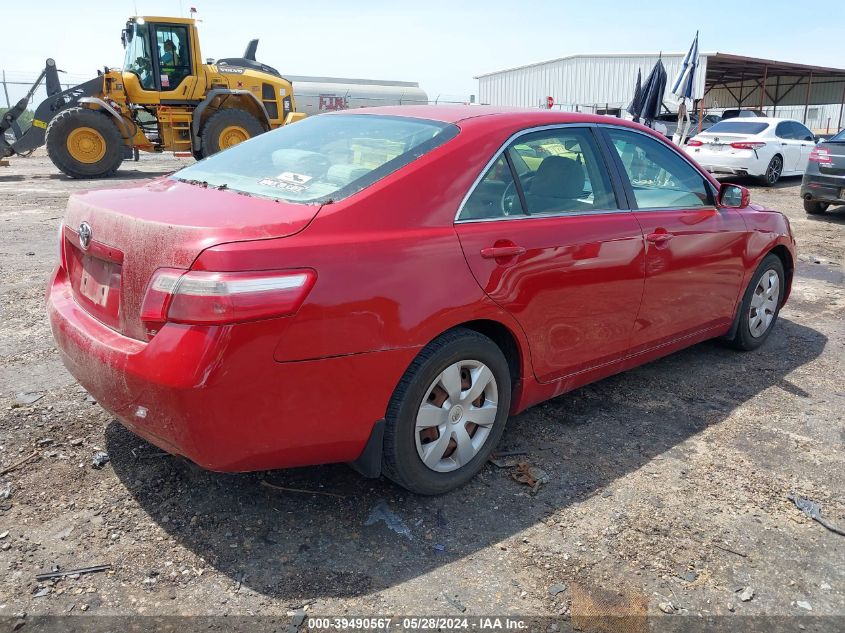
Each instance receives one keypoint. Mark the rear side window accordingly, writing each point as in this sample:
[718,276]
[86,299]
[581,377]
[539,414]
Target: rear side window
[839,138]
[557,172]
[322,158]
[737,127]
[659,177]
[785,130]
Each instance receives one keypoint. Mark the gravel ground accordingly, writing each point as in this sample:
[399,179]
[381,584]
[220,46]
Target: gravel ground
[667,493]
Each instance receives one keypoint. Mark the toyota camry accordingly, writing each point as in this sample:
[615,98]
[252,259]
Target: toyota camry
[385,287]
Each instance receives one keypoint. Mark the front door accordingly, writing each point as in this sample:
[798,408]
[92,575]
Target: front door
[694,250]
[173,53]
[548,240]
[790,146]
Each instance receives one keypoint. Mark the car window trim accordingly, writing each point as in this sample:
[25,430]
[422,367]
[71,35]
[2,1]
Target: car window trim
[517,183]
[620,201]
[626,181]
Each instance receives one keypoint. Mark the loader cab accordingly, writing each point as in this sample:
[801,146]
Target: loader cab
[160,60]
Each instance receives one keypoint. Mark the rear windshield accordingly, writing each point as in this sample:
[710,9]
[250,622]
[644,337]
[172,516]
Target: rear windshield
[839,138]
[737,127]
[321,158]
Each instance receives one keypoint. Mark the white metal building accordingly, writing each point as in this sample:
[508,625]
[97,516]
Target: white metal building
[605,84]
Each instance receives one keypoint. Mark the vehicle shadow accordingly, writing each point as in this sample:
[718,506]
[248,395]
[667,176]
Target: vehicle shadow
[747,181]
[299,546]
[833,215]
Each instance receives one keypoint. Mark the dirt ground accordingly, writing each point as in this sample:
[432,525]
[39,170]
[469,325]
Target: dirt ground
[667,493]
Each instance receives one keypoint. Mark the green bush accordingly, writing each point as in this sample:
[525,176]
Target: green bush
[24,120]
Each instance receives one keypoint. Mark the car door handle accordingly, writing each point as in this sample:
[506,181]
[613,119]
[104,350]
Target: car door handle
[659,238]
[495,252]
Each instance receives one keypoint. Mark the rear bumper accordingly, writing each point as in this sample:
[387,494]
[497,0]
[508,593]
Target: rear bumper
[821,188]
[216,395]
[730,161]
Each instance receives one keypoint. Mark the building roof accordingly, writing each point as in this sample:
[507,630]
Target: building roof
[729,65]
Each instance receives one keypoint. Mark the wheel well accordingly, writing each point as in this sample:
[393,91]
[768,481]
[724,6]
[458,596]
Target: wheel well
[236,102]
[786,259]
[505,340]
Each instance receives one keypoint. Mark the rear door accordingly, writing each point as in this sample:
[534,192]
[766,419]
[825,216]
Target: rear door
[548,240]
[694,250]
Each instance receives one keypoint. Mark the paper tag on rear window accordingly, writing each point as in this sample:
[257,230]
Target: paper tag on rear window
[294,179]
[281,185]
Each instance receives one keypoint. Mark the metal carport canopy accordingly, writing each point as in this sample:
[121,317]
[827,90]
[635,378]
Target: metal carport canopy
[737,81]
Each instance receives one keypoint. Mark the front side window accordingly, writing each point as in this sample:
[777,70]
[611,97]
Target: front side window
[322,158]
[557,171]
[173,56]
[801,133]
[660,179]
[138,59]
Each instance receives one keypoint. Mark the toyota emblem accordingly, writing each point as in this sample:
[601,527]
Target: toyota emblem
[85,235]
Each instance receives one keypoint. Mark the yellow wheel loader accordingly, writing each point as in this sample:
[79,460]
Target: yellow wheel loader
[166,98]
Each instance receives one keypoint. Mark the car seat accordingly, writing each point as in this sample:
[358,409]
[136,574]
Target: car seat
[556,186]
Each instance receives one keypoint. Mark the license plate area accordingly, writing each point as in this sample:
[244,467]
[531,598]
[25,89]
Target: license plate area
[96,284]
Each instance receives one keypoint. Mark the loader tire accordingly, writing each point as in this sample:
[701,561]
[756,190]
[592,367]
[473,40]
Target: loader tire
[226,128]
[84,143]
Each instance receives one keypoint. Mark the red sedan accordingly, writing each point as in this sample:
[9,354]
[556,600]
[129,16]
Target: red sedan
[385,287]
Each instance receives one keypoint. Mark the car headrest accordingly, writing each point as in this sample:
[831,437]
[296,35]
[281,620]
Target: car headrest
[301,161]
[559,177]
[342,175]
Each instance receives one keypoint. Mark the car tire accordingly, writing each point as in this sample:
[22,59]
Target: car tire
[460,359]
[773,171]
[84,143]
[757,315]
[815,208]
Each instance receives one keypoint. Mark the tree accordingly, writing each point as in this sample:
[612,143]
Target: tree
[24,120]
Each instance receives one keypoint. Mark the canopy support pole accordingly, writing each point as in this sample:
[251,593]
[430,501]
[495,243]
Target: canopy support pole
[807,100]
[763,86]
[842,107]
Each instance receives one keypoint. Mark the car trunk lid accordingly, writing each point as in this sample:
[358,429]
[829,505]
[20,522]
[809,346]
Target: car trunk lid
[114,239]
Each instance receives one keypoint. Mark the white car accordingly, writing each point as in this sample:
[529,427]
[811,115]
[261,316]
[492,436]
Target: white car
[763,147]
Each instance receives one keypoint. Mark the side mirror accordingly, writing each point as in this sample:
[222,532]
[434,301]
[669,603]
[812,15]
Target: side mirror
[734,196]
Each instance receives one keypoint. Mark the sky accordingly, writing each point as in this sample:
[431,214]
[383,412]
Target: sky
[440,44]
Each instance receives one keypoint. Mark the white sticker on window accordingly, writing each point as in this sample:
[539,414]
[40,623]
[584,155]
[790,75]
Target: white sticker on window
[294,178]
[282,186]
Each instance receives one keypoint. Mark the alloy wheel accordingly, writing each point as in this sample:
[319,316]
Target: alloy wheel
[456,415]
[774,170]
[764,303]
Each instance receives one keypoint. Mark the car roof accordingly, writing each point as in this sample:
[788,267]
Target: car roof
[521,117]
[759,119]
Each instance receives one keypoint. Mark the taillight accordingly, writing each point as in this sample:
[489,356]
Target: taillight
[210,298]
[694,143]
[747,145]
[820,155]
[61,244]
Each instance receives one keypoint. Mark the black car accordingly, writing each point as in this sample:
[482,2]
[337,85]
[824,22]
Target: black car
[670,120]
[824,180]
